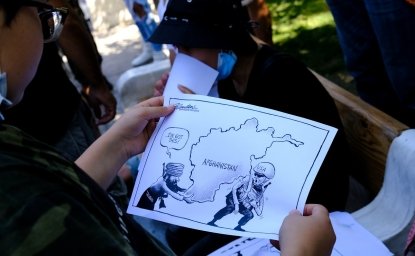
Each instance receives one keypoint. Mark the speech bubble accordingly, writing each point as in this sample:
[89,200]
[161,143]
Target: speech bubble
[174,138]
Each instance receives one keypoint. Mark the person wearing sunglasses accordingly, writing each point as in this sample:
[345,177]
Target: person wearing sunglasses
[74,128]
[52,206]
[52,19]
[53,109]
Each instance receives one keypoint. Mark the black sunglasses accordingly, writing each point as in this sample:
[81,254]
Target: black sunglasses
[52,19]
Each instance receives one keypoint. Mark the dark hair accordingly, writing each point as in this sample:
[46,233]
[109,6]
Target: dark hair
[11,8]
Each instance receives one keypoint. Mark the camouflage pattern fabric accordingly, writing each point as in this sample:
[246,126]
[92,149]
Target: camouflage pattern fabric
[49,206]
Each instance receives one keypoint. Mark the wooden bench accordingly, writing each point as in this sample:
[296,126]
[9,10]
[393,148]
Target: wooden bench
[369,132]
[384,149]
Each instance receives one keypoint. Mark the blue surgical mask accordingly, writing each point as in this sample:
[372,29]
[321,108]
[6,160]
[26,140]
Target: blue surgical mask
[3,90]
[226,62]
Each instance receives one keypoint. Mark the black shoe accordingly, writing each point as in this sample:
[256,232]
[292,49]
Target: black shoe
[212,223]
[239,228]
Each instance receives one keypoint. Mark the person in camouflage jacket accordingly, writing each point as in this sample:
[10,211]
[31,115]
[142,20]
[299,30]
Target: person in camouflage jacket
[48,204]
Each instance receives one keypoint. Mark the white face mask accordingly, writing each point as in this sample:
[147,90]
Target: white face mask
[3,90]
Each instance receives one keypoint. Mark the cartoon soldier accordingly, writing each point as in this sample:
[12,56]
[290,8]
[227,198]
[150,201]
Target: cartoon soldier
[164,186]
[247,195]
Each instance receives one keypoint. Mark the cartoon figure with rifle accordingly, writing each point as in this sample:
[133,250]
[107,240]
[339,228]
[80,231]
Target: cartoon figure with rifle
[247,195]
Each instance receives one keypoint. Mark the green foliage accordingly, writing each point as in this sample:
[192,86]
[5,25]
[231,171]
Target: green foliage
[306,29]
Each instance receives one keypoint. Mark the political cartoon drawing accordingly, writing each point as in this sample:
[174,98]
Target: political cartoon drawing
[247,195]
[214,157]
[164,186]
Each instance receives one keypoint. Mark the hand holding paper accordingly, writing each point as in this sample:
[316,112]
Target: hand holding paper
[191,73]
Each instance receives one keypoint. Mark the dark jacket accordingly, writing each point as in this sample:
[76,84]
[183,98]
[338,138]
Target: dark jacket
[280,82]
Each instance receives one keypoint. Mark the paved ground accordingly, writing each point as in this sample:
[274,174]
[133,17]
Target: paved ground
[118,46]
